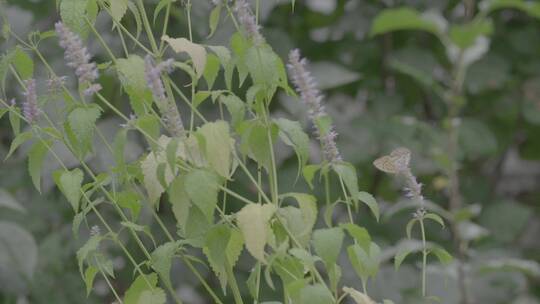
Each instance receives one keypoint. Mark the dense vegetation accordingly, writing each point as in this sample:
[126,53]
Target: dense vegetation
[316,151]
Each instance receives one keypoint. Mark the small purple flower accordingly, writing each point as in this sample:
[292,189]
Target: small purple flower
[312,97]
[414,188]
[249,22]
[169,111]
[55,83]
[77,55]
[152,75]
[30,107]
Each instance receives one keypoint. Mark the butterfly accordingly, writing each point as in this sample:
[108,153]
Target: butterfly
[396,162]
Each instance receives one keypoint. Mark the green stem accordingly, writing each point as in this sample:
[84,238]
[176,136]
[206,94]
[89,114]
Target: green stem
[424,256]
[233,284]
[147,27]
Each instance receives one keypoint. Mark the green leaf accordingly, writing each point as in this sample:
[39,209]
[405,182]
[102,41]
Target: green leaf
[73,13]
[359,234]
[370,201]
[396,19]
[8,201]
[256,144]
[138,286]
[365,261]
[309,173]
[131,75]
[69,182]
[211,70]
[82,121]
[253,221]
[15,121]
[118,9]
[195,51]
[404,249]
[530,7]
[464,35]
[327,244]
[202,188]
[214,19]
[217,146]
[150,168]
[130,200]
[263,65]
[162,260]
[435,217]
[347,173]
[444,257]
[292,135]
[20,139]
[223,246]
[316,294]
[23,64]
[156,296]
[36,156]
[18,258]
[87,250]
[236,108]
[301,220]
[358,297]
[410,226]
[89,276]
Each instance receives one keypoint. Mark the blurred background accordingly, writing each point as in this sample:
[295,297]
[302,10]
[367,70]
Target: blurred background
[377,104]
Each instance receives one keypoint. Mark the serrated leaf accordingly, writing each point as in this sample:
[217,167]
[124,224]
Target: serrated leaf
[82,121]
[138,286]
[87,250]
[69,182]
[131,74]
[404,249]
[253,222]
[36,156]
[162,260]
[73,13]
[222,248]
[263,65]
[217,146]
[327,244]
[195,51]
[118,9]
[300,221]
[202,188]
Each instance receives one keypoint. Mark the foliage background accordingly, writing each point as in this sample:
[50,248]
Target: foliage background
[376,108]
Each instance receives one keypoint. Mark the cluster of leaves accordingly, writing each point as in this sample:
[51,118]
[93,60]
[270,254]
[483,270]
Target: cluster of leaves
[197,180]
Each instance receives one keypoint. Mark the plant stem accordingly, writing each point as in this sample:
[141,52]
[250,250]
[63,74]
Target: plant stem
[424,256]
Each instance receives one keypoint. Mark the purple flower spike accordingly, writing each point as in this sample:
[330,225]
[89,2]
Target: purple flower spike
[307,88]
[30,105]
